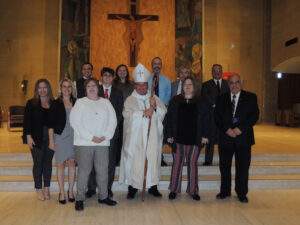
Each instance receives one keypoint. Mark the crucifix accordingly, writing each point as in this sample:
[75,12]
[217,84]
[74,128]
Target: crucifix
[133,32]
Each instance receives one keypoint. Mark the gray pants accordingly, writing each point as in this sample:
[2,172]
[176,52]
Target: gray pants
[87,157]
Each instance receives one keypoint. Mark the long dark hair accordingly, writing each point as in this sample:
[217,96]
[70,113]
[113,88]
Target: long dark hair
[117,78]
[36,96]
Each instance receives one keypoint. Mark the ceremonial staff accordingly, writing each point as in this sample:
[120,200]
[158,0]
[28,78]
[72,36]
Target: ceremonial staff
[154,83]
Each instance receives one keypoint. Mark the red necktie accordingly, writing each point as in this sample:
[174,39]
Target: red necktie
[106,93]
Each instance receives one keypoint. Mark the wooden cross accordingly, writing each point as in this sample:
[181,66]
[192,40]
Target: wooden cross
[133,25]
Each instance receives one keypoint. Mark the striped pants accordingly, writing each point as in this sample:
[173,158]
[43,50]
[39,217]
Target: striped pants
[191,154]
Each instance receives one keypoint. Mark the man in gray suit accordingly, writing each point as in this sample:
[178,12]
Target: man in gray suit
[211,90]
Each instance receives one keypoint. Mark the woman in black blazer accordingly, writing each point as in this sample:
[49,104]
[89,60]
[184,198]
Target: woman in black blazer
[35,133]
[186,128]
[61,137]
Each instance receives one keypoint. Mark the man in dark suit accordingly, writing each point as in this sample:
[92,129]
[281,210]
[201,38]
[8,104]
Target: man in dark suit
[211,90]
[86,73]
[115,96]
[236,113]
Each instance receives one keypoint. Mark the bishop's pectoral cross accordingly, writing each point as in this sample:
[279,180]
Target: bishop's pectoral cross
[134,32]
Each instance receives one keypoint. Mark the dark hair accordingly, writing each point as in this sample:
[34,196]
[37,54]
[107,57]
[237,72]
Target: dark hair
[36,96]
[88,81]
[117,78]
[87,63]
[107,70]
[156,57]
[193,82]
[216,65]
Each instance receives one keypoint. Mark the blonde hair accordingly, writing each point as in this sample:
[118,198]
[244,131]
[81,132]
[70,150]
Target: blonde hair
[73,93]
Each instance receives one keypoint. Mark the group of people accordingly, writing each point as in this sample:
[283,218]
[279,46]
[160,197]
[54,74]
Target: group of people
[99,124]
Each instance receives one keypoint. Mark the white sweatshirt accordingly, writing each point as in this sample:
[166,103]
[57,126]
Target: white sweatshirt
[91,118]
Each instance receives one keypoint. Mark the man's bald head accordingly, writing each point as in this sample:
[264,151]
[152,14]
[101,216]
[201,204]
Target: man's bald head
[235,83]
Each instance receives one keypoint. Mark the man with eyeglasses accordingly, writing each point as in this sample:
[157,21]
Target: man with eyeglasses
[236,113]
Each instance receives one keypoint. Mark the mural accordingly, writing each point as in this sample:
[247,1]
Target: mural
[189,35]
[75,37]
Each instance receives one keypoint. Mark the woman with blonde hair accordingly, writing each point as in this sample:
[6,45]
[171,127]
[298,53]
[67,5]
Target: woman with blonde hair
[35,134]
[61,138]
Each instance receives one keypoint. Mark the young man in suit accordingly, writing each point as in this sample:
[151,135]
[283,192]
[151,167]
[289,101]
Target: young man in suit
[86,73]
[211,90]
[236,113]
[115,96]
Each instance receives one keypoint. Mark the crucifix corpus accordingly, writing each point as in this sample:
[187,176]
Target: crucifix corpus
[133,32]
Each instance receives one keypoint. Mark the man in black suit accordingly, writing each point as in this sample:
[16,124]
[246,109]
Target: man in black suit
[86,73]
[115,96]
[211,90]
[236,113]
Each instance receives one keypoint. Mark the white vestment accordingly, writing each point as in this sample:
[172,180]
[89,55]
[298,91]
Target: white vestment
[135,148]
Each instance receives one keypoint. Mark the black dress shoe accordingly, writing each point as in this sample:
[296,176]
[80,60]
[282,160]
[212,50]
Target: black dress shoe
[222,195]
[207,164]
[196,197]
[110,193]
[61,201]
[243,199]
[131,192]
[90,193]
[107,201]
[70,199]
[79,205]
[153,191]
[172,195]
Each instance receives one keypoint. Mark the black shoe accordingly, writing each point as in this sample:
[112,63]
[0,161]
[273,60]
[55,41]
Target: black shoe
[107,201]
[172,195]
[222,195]
[153,191]
[79,205]
[90,193]
[61,201]
[163,163]
[196,197]
[70,199]
[243,199]
[110,193]
[207,164]
[131,192]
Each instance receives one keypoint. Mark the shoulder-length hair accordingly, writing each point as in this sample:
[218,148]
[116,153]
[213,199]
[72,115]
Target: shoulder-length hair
[117,78]
[193,82]
[73,93]
[36,96]
[86,82]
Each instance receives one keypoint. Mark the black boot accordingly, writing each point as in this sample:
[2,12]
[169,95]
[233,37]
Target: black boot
[131,192]
[153,191]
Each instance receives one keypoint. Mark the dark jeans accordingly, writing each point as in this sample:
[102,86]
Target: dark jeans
[42,165]
[242,163]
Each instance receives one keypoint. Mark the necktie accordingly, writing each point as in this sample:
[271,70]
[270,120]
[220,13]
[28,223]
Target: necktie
[218,87]
[106,93]
[156,90]
[233,104]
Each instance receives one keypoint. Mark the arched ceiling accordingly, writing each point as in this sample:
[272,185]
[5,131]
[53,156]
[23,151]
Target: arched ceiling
[291,65]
